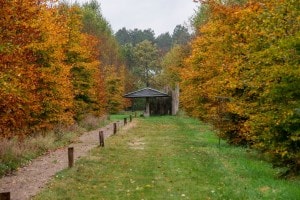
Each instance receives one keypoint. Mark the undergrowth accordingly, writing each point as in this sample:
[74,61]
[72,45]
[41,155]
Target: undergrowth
[15,153]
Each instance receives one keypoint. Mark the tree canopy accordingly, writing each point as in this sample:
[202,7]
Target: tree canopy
[54,60]
[135,43]
[146,60]
[243,70]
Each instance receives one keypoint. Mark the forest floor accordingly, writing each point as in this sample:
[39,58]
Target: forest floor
[29,180]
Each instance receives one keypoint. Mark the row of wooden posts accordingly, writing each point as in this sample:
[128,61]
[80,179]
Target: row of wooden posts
[101,142]
[6,195]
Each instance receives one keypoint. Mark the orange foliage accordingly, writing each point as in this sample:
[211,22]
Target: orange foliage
[50,71]
[19,22]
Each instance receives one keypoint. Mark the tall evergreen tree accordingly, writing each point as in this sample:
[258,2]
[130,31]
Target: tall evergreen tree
[123,36]
[181,35]
[164,42]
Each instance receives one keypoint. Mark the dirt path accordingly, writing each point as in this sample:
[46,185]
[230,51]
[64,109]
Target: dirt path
[29,180]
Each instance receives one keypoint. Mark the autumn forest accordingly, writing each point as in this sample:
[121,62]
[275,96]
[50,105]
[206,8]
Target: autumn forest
[238,70]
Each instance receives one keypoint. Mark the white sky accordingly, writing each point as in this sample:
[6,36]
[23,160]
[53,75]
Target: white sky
[159,15]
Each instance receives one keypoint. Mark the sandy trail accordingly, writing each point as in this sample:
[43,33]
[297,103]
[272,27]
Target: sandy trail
[29,180]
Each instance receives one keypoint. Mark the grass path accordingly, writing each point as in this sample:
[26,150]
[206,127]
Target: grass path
[169,158]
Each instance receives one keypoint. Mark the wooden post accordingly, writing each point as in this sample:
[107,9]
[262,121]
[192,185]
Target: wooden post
[130,118]
[101,139]
[5,196]
[71,156]
[115,128]
[125,121]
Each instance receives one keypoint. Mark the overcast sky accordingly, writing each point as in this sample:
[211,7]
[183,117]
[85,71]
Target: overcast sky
[160,15]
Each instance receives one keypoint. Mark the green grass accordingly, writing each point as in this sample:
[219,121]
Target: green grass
[170,158]
[122,115]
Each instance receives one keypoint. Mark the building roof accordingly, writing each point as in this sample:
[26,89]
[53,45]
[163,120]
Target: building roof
[146,92]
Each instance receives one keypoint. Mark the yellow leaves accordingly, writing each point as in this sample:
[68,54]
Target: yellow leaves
[241,52]
[295,138]
[35,75]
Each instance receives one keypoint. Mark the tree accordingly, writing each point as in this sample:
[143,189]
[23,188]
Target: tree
[54,85]
[123,36]
[34,63]
[127,53]
[95,24]
[134,36]
[164,42]
[50,72]
[172,63]
[180,35]
[110,58]
[18,74]
[138,36]
[146,62]
[238,55]
[114,86]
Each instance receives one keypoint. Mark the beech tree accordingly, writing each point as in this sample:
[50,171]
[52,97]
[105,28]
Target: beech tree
[248,54]
[172,63]
[35,78]
[111,63]
[51,72]
[17,102]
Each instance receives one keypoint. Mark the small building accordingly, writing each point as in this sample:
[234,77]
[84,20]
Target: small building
[157,102]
